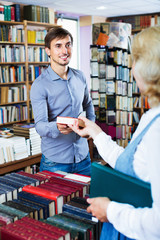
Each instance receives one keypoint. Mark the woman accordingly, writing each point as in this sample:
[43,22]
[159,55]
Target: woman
[141,158]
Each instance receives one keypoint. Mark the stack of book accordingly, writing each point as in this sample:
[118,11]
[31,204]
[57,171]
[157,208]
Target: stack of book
[27,228]
[33,138]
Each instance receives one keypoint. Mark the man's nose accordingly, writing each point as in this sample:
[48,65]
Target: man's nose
[64,49]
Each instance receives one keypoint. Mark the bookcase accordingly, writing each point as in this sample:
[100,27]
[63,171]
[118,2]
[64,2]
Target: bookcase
[22,59]
[111,91]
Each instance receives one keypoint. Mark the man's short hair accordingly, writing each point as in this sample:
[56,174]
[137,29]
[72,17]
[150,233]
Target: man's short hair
[54,33]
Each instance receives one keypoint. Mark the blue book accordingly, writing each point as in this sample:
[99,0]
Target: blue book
[2,196]
[8,194]
[47,204]
[39,210]
[26,179]
[11,189]
[11,182]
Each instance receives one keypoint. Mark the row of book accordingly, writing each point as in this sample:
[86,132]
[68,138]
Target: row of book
[12,33]
[36,13]
[140,21]
[13,94]
[37,54]
[102,70]
[35,71]
[117,56]
[10,13]
[17,112]
[12,54]
[111,87]
[119,117]
[12,74]
[36,36]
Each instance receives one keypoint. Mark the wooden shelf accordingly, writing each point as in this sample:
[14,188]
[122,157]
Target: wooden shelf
[12,103]
[19,164]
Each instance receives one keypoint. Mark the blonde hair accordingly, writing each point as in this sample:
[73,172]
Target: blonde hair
[146,55]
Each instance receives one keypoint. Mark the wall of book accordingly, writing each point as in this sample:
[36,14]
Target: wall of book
[138,22]
[112,91]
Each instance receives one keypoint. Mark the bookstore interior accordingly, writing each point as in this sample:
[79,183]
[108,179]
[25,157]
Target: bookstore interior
[38,204]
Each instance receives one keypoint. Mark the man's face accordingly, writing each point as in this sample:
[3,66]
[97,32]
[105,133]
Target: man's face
[60,51]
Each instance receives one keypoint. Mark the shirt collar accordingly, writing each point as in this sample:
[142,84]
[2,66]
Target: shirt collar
[55,76]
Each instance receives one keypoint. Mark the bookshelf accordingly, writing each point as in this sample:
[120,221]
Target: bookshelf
[20,164]
[19,57]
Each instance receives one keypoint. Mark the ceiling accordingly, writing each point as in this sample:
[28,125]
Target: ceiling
[108,8]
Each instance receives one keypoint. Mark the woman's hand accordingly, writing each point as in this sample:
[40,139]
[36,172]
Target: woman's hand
[98,207]
[90,129]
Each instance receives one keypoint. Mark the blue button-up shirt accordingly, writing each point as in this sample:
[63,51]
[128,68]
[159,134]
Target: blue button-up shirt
[52,96]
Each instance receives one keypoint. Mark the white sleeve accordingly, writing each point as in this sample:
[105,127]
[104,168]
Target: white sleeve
[107,148]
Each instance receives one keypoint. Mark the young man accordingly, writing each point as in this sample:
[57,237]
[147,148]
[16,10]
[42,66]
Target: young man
[61,91]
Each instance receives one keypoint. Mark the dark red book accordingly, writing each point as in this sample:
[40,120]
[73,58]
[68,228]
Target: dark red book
[65,193]
[34,176]
[43,225]
[57,197]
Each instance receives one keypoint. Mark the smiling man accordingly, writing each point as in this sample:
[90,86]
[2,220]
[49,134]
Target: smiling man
[61,91]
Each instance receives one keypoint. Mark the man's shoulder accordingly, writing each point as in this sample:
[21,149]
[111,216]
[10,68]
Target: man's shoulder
[77,72]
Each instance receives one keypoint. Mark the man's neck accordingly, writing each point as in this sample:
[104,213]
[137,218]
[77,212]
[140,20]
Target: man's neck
[60,70]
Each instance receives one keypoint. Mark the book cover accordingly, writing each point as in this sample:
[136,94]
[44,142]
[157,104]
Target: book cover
[79,210]
[34,176]
[119,187]
[94,225]
[34,205]
[11,189]
[48,205]
[70,120]
[68,183]
[8,217]
[20,207]
[66,195]
[80,185]
[11,182]
[38,229]
[8,194]
[83,229]
[58,198]
[7,209]
[49,227]
[26,178]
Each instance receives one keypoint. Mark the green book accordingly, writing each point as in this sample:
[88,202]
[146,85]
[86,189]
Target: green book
[119,187]
[83,229]
[11,210]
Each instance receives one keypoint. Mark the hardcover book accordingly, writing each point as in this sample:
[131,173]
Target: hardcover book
[56,197]
[46,204]
[34,176]
[48,227]
[83,229]
[119,187]
[70,120]
[7,209]
[20,207]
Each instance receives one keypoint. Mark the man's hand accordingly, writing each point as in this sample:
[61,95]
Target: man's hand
[64,129]
[98,207]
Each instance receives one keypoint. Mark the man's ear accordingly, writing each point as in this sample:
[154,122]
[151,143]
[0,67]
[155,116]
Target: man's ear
[47,51]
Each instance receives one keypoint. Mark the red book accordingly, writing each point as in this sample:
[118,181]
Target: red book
[53,173]
[57,197]
[65,193]
[18,232]
[12,13]
[49,227]
[39,178]
[35,228]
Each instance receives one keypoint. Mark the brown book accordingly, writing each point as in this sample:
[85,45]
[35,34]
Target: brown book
[70,120]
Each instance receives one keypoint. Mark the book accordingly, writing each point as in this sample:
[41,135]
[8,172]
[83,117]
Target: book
[34,176]
[10,216]
[48,227]
[66,194]
[35,228]
[7,209]
[82,229]
[2,196]
[79,210]
[20,207]
[70,120]
[8,188]
[8,194]
[96,227]
[46,204]
[11,182]
[119,186]
[25,178]
[35,209]
[56,197]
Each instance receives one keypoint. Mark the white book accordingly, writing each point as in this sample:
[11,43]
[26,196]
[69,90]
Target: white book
[69,120]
